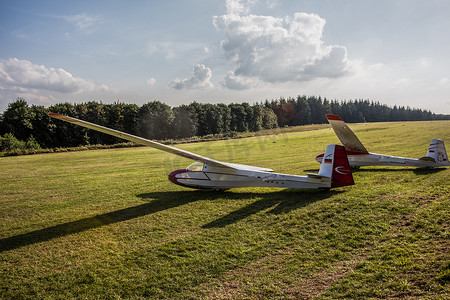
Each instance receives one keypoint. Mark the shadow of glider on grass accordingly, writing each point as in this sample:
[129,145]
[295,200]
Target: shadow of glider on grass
[358,156]
[207,173]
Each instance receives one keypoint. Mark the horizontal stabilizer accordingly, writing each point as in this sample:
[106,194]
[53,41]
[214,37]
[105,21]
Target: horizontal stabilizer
[316,176]
[427,158]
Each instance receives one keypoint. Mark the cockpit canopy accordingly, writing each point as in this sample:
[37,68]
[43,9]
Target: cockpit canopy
[195,167]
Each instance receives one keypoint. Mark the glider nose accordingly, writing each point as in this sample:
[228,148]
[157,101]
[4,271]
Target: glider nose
[173,174]
[319,157]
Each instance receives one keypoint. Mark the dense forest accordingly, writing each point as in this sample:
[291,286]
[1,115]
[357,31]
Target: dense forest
[22,125]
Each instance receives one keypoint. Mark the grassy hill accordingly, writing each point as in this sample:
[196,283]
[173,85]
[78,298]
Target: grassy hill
[108,223]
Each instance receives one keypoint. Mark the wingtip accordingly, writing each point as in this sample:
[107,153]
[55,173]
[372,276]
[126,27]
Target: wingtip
[333,117]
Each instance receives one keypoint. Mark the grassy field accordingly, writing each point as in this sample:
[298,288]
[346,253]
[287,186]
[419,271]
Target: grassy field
[108,224]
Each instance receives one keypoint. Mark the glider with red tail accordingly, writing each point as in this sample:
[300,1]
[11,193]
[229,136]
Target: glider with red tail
[207,173]
[358,156]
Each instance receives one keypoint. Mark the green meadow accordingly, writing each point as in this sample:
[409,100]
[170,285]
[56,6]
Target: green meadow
[108,224]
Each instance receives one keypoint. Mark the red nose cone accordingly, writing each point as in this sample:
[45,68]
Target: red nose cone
[319,157]
[172,176]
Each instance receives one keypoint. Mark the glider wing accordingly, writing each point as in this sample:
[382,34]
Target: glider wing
[167,148]
[346,135]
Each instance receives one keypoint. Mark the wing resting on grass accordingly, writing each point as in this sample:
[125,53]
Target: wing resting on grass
[167,148]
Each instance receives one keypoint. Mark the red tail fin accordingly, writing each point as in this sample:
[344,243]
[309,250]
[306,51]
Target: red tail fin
[342,175]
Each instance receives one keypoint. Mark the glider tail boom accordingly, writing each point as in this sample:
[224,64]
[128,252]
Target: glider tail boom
[335,165]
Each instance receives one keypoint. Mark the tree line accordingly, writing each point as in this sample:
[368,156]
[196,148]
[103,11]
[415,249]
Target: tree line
[305,110]
[29,126]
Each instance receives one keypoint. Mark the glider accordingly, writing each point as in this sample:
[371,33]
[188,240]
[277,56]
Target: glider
[358,156]
[207,173]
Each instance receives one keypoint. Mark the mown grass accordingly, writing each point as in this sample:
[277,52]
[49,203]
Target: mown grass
[108,224]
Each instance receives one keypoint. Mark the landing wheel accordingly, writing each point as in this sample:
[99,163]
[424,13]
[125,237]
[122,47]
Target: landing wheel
[219,190]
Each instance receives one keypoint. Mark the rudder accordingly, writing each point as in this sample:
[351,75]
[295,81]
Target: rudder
[438,153]
[335,165]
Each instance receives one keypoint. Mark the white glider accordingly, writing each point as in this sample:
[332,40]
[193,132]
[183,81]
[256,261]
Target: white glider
[213,174]
[358,156]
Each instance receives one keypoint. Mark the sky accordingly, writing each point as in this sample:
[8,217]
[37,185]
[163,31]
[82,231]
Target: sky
[223,51]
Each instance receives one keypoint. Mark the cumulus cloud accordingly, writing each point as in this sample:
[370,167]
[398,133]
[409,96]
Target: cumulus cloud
[272,49]
[24,76]
[201,79]
[237,82]
[236,7]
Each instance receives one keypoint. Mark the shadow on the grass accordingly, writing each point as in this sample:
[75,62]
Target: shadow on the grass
[284,201]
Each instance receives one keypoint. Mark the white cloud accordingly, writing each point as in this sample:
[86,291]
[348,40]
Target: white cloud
[207,50]
[167,49]
[271,3]
[200,80]
[151,81]
[173,50]
[376,67]
[236,7]
[236,82]
[272,49]
[24,76]
[83,22]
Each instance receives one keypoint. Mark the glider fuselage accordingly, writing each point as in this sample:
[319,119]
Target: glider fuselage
[374,159]
[225,178]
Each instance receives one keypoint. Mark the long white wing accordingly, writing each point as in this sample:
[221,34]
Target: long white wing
[170,149]
[346,135]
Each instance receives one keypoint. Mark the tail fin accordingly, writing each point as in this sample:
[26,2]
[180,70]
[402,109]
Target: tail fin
[438,153]
[335,165]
